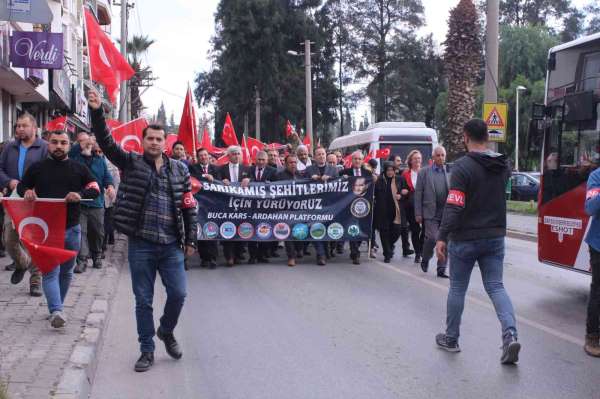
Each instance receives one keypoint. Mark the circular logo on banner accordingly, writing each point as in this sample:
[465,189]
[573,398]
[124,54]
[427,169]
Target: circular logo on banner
[318,231]
[353,230]
[263,231]
[335,231]
[246,231]
[211,230]
[228,230]
[360,208]
[281,231]
[300,231]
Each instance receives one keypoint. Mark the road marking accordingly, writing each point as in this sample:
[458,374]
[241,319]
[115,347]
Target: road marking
[487,305]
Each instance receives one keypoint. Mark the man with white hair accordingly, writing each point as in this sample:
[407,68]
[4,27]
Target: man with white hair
[303,159]
[357,170]
[234,173]
[430,199]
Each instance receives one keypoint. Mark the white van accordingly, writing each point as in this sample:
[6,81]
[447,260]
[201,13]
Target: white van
[400,137]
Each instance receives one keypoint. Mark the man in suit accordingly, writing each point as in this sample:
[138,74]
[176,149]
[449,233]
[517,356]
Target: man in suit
[320,171]
[293,249]
[234,173]
[261,172]
[205,171]
[357,170]
[431,193]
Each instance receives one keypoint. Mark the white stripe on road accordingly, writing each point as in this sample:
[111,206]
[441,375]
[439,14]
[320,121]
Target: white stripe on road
[487,305]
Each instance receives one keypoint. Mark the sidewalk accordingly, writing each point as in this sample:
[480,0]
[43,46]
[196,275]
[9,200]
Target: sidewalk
[37,361]
[522,226]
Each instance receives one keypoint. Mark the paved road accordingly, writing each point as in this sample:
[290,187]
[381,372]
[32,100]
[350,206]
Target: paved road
[523,223]
[344,331]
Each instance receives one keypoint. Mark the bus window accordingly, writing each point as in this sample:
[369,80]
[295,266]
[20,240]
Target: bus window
[591,72]
[568,146]
[403,149]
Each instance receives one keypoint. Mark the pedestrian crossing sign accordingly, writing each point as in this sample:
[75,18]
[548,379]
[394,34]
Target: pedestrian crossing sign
[494,115]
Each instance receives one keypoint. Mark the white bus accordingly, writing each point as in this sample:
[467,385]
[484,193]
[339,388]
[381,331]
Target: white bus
[400,137]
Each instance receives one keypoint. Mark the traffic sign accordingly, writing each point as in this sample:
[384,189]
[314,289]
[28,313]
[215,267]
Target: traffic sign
[495,116]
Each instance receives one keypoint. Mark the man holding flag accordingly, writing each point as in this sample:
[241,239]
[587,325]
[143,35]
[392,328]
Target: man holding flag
[59,177]
[157,211]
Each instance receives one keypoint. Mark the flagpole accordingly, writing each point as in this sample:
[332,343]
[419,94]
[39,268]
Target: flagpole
[88,43]
[194,127]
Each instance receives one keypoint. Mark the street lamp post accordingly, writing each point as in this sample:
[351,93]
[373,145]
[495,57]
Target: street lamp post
[308,81]
[519,89]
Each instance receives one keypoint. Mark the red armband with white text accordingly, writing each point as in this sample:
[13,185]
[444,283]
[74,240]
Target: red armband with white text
[592,193]
[456,197]
[188,201]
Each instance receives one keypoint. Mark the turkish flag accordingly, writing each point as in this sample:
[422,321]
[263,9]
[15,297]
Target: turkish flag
[59,124]
[370,155]
[347,161]
[254,146]
[41,227]
[245,152]
[206,142]
[107,65]
[229,137]
[383,153]
[306,141]
[171,139]
[188,133]
[113,123]
[289,129]
[222,160]
[129,135]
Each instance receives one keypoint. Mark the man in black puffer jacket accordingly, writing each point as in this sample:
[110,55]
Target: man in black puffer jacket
[155,208]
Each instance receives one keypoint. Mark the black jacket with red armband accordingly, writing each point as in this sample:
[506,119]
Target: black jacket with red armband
[476,204]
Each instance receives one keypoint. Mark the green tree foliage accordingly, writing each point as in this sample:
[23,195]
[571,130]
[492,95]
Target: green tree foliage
[249,51]
[376,27]
[533,12]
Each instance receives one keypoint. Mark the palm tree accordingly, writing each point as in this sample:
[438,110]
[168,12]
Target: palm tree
[462,58]
[136,47]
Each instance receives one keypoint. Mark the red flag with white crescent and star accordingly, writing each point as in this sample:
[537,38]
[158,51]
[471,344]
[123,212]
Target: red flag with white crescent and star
[107,65]
[289,129]
[188,132]
[129,135]
[41,226]
[229,137]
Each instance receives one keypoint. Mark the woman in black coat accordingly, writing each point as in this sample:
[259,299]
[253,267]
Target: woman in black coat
[387,217]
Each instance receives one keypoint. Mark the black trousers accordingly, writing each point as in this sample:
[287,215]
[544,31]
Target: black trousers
[354,252]
[208,250]
[233,250]
[593,313]
[388,237]
[416,232]
[259,250]
[291,247]
[109,227]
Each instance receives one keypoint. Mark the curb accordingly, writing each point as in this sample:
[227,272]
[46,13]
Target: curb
[520,235]
[79,372]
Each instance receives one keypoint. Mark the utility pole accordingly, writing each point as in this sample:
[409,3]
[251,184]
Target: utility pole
[124,110]
[490,92]
[257,100]
[308,72]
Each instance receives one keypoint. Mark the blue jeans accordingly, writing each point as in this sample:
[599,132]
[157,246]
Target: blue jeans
[489,254]
[320,248]
[56,283]
[145,259]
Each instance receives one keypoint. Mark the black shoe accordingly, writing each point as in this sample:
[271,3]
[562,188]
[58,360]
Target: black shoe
[97,263]
[274,254]
[10,268]
[2,253]
[321,261]
[387,260]
[80,267]
[418,259]
[204,264]
[262,260]
[306,252]
[339,250]
[407,253]
[171,344]
[252,261]
[355,261]
[447,343]
[442,274]
[145,362]
[17,276]
[35,290]
[212,265]
[299,255]
[425,266]
[510,349]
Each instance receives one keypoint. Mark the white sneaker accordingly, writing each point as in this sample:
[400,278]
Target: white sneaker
[58,319]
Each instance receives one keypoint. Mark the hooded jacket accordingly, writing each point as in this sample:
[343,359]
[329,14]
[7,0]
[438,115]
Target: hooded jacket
[476,205]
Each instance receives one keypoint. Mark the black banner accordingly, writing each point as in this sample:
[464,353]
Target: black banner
[300,210]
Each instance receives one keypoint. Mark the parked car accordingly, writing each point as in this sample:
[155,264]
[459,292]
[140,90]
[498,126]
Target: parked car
[524,186]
